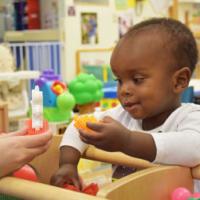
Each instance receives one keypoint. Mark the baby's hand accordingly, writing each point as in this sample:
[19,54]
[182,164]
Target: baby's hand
[67,174]
[109,135]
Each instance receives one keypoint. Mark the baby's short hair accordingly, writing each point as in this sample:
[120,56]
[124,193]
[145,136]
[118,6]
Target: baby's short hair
[177,36]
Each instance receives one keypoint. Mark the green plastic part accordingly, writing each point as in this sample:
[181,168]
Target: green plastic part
[65,101]
[54,114]
[86,88]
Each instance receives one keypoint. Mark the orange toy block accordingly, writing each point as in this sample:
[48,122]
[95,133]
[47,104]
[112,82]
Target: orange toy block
[80,122]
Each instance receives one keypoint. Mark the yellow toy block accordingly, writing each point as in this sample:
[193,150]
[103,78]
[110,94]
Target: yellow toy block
[80,122]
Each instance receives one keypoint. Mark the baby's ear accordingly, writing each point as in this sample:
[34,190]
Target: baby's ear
[181,79]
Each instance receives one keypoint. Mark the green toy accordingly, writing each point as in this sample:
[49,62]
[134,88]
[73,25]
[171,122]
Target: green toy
[65,103]
[86,89]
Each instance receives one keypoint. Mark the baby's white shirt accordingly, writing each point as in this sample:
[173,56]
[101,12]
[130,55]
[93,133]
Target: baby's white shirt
[177,140]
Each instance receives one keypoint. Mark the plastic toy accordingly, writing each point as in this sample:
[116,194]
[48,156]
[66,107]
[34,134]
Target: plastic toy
[71,187]
[58,102]
[33,131]
[80,122]
[91,189]
[37,124]
[194,198]
[65,102]
[45,83]
[58,87]
[26,172]
[110,96]
[196,195]
[182,193]
[86,90]
[37,108]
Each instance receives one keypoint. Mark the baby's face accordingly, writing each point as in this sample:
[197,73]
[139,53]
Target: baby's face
[142,68]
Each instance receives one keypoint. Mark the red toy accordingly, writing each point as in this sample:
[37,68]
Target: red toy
[182,193]
[32,131]
[26,172]
[58,87]
[196,195]
[91,189]
[71,187]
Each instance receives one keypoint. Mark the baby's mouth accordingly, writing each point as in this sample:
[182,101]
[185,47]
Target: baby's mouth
[130,105]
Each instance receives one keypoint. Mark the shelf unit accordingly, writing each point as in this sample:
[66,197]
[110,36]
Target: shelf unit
[189,1]
[32,35]
[20,76]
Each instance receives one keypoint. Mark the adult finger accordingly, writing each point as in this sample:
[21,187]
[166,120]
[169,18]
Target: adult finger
[33,152]
[15,133]
[31,141]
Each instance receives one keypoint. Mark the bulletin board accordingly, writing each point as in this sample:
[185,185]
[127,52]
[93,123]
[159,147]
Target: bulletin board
[95,61]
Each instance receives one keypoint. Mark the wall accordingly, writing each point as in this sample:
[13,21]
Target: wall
[70,30]
[71,33]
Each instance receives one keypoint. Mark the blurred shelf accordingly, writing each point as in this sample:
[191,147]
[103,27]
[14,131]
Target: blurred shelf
[19,75]
[197,35]
[189,1]
[195,83]
[31,35]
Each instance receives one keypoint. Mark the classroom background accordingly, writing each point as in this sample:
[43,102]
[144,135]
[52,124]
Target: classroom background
[64,47]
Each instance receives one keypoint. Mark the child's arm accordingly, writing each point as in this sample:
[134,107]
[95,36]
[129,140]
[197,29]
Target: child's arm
[70,152]
[67,172]
[111,135]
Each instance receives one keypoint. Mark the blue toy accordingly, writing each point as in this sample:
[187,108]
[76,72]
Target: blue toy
[58,102]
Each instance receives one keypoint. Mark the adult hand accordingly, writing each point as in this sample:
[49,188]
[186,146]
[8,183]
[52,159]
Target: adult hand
[17,149]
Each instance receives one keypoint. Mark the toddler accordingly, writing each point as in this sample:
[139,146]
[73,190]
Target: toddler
[153,63]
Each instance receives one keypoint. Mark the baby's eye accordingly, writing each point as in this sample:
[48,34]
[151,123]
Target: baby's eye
[118,80]
[138,80]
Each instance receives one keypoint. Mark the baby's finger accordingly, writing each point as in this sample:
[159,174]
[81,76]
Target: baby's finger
[57,181]
[91,142]
[84,140]
[107,119]
[77,183]
[94,136]
[95,126]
